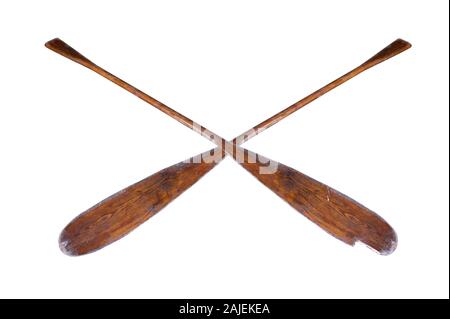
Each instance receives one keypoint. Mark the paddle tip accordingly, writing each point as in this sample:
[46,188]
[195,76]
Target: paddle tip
[389,247]
[384,245]
[63,247]
[66,246]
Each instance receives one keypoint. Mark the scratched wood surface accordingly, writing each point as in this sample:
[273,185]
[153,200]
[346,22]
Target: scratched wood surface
[117,215]
[336,213]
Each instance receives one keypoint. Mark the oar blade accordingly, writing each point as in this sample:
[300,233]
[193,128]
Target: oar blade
[116,216]
[333,211]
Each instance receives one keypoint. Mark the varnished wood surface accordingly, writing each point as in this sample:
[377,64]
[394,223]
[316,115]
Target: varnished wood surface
[117,215]
[396,47]
[337,214]
[67,51]
[334,212]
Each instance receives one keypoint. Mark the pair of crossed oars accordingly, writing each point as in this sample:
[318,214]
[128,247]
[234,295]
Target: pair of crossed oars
[119,214]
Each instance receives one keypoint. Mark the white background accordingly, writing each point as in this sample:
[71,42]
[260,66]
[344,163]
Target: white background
[70,138]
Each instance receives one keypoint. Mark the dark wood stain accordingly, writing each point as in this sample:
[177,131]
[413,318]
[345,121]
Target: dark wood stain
[117,215]
[334,212]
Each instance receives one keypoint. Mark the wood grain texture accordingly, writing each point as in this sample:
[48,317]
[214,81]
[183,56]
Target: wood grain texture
[60,47]
[334,212]
[396,47]
[116,216]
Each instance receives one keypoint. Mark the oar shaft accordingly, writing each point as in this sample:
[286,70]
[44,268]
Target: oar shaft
[64,49]
[390,51]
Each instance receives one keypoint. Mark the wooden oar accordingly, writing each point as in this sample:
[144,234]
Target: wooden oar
[119,214]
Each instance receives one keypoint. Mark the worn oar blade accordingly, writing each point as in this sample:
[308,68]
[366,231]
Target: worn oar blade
[116,216]
[334,212]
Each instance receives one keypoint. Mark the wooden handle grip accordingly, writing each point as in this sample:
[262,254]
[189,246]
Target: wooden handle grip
[59,46]
[396,47]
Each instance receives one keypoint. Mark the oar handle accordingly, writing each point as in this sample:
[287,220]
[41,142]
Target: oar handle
[396,47]
[60,47]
